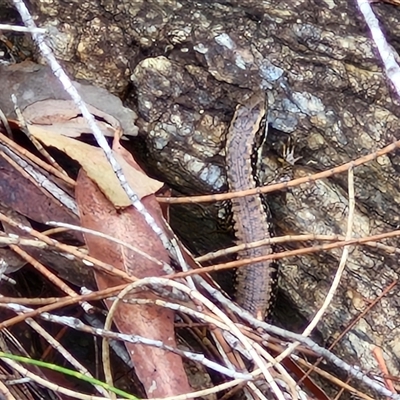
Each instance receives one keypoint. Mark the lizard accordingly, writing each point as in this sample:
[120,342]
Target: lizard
[250,214]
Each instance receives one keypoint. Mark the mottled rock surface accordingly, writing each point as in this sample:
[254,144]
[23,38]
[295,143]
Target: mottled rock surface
[184,65]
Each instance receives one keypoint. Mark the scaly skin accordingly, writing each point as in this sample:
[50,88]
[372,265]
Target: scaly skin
[255,282]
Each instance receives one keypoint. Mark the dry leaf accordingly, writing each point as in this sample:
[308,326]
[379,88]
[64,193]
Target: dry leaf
[62,115]
[57,116]
[94,162]
[15,189]
[161,373]
[31,82]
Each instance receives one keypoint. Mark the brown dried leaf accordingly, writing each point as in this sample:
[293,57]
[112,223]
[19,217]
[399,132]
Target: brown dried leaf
[94,162]
[15,189]
[9,260]
[57,116]
[31,82]
[161,373]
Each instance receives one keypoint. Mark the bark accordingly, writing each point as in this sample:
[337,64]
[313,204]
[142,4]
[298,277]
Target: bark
[191,62]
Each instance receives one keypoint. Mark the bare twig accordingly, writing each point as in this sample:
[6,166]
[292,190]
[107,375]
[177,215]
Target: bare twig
[329,356]
[289,239]
[25,128]
[77,324]
[385,51]
[338,274]
[166,267]
[15,28]
[45,383]
[284,185]
[343,259]
[15,148]
[378,354]
[285,254]
[45,50]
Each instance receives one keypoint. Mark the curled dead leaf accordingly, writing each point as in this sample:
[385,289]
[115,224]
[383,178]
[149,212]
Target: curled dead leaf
[94,162]
[161,373]
[62,116]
